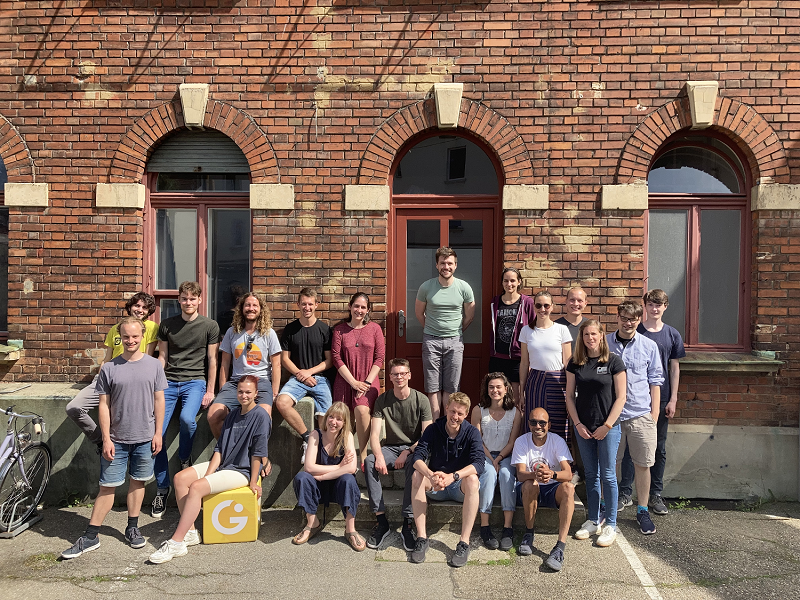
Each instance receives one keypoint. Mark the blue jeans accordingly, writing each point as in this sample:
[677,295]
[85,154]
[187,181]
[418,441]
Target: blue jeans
[628,471]
[136,459]
[600,466]
[489,479]
[190,393]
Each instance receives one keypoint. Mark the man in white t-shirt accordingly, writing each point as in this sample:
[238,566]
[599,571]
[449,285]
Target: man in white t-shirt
[544,478]
[250,347]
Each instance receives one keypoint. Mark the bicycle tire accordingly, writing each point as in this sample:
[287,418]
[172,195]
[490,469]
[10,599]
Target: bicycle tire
[38,461]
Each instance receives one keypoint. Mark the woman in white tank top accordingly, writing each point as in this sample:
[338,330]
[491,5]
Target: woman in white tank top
[499,422]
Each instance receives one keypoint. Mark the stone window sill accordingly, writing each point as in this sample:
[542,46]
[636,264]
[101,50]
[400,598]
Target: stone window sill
[739,362]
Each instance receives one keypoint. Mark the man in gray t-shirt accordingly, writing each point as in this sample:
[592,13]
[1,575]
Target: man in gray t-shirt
[131,415]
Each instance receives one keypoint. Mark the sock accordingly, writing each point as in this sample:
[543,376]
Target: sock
[382,519]
[304,436]
[561,545]
[641,508]
[133,522]
[486,531]
[602,505]
[92,531]
[530,530]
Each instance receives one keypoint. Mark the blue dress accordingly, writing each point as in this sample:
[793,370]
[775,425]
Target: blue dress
[343,490]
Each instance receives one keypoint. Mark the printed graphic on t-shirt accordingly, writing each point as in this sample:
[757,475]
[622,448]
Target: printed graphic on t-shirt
[506,323]
[254,356]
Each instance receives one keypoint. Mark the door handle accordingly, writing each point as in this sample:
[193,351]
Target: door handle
[401,322]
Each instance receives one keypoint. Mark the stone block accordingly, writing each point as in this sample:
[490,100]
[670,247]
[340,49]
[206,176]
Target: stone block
[26,194]
[194,97]
[448,103]
[120,195]
[271,196]
[526,197]
[625,196]
[775,196]
[367,197]
[702,100]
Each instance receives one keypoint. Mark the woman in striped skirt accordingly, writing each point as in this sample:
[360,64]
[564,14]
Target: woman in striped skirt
[546,349]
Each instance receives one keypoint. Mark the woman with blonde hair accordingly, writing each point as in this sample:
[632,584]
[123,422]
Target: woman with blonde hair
[328,475]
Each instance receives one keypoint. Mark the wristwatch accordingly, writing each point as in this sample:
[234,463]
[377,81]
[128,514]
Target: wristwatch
[456,476]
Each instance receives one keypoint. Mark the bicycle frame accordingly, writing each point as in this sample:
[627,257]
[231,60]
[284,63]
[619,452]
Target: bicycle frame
[9,452]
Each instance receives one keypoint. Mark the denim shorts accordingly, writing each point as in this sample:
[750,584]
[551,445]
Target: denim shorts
[321,393]
[451,492]
[547,495]
[140,457]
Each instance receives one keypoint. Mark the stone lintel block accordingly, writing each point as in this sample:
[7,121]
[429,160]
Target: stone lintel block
[702,100]
[26,194]
[775,196]
[526,197]
[271,196]
[448,103]
[194,97]
[367,197]
[120,195]
[625,196]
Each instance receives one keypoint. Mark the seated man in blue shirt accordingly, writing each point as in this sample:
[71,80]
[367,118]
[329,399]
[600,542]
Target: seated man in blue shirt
[453,449]
[640,414]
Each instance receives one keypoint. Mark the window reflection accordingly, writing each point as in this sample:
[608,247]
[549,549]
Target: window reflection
[692,170]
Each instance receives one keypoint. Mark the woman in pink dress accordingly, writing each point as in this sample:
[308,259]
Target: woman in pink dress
[358,349]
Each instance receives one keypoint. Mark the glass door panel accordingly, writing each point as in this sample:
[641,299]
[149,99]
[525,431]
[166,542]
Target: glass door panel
[422,241]
[466,238]
[176,247]
[228,262]
[668,243]
[720,256]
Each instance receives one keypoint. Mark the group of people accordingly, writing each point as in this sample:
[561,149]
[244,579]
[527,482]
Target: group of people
[546,378]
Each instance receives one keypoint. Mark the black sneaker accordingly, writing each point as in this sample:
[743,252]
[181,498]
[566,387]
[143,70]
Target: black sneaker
[420,549]
[526,545]
[507,539]
[159,504]
[657,505]
[556,559]
[84,544]
[488,539]
[185,464]
[134,537]
[646,525]
[407,533]
[379,533]
[459,559]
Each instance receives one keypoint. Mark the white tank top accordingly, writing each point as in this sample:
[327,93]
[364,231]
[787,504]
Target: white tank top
[496,433]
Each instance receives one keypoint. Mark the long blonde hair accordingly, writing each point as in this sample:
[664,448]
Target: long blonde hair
[340,410]
[264,320]
[580,357]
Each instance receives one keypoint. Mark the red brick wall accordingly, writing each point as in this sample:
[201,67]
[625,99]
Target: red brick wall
[581,93]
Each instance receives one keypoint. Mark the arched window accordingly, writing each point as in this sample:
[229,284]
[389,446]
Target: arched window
[198,222]
[697,249]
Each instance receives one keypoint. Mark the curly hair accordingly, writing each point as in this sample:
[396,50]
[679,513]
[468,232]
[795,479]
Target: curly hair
[146,299]
[508,399]
[264,320]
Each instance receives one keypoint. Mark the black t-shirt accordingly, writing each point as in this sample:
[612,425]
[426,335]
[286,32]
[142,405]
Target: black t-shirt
[594,382]
[506,326]
[307,345]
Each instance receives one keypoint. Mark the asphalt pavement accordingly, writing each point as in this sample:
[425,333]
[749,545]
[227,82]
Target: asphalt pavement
[696,553]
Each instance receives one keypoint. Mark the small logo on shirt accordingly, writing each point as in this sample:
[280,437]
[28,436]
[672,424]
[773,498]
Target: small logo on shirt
[602,370]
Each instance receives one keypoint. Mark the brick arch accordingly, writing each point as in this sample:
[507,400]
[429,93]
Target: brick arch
[131,156]
[475,118]
[15,154]
[738,121]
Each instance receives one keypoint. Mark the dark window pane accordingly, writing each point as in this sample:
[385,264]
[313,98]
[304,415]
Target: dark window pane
[176,247]
[203,182]
[422,241]
[429,168]
[3,269]
[169,308]
[667,246]
[692,170]
[228,262]
[3,174]
[720,232]
[466,238]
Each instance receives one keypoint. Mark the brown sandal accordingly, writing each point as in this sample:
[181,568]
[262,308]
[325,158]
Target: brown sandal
[356,542]
[306,534]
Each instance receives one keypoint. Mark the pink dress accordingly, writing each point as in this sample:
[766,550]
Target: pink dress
[360,350]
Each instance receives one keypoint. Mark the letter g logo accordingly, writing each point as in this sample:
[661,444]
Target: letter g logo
[240,522]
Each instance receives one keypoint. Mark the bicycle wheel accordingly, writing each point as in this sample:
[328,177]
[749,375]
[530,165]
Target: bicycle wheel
[18,500]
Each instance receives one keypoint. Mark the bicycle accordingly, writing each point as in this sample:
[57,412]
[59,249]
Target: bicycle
[24,469]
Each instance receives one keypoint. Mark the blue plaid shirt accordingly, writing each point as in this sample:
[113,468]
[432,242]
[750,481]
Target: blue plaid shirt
[643,362]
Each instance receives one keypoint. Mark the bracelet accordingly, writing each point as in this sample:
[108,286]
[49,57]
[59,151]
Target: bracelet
[609,426]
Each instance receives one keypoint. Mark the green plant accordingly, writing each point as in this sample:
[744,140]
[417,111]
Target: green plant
[685,504]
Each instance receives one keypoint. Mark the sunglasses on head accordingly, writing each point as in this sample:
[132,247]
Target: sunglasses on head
[540,305]
[535,422]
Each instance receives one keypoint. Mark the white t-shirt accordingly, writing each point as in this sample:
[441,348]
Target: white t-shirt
[552,452]
[544,346]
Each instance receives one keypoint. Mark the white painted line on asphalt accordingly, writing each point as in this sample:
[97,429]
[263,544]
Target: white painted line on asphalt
[638,568]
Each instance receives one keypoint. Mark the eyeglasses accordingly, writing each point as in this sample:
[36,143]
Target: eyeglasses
[535,422]
[540,305]
[628,319]
[401,374]
[250,340]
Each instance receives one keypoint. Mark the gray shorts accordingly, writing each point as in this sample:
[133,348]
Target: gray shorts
[441,361]
[227,394]
[640,434]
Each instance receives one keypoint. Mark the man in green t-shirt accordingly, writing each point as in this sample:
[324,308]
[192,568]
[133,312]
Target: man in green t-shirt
[405,413]
[445,307]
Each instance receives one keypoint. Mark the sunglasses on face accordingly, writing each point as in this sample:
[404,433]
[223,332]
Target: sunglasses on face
[540,305]
[535,422]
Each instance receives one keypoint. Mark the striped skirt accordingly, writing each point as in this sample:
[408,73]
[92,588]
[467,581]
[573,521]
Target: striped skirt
[548,390]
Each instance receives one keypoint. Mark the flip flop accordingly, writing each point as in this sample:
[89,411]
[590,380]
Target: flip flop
[302,538]
[356,542]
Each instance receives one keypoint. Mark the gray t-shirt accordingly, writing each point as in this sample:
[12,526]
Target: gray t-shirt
[403,418]
[256,361]
[187,346]
[131,386]
[242,437]
[574,330]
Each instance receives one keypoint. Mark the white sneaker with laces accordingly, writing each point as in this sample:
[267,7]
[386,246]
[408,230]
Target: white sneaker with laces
[607,537]
[192,537]
[303,449]
[168,551]
[588,529]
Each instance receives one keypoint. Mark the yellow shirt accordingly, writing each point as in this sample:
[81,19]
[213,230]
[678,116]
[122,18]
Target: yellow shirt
[114,340]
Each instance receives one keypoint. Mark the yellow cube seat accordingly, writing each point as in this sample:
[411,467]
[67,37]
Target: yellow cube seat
[232,516]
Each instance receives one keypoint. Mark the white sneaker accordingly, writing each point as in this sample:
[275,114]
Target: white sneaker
[303,449]
[168,551]
[192,537]
[607,537]
[589,528]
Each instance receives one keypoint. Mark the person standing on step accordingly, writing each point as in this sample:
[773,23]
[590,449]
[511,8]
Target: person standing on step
[576,304]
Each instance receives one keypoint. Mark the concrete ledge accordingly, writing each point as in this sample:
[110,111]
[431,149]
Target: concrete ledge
[120,195]
[731,463]
[27,194]
[740,362]
[774,196]
[271,196]
[367,197]
[526,197]
[625,196]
